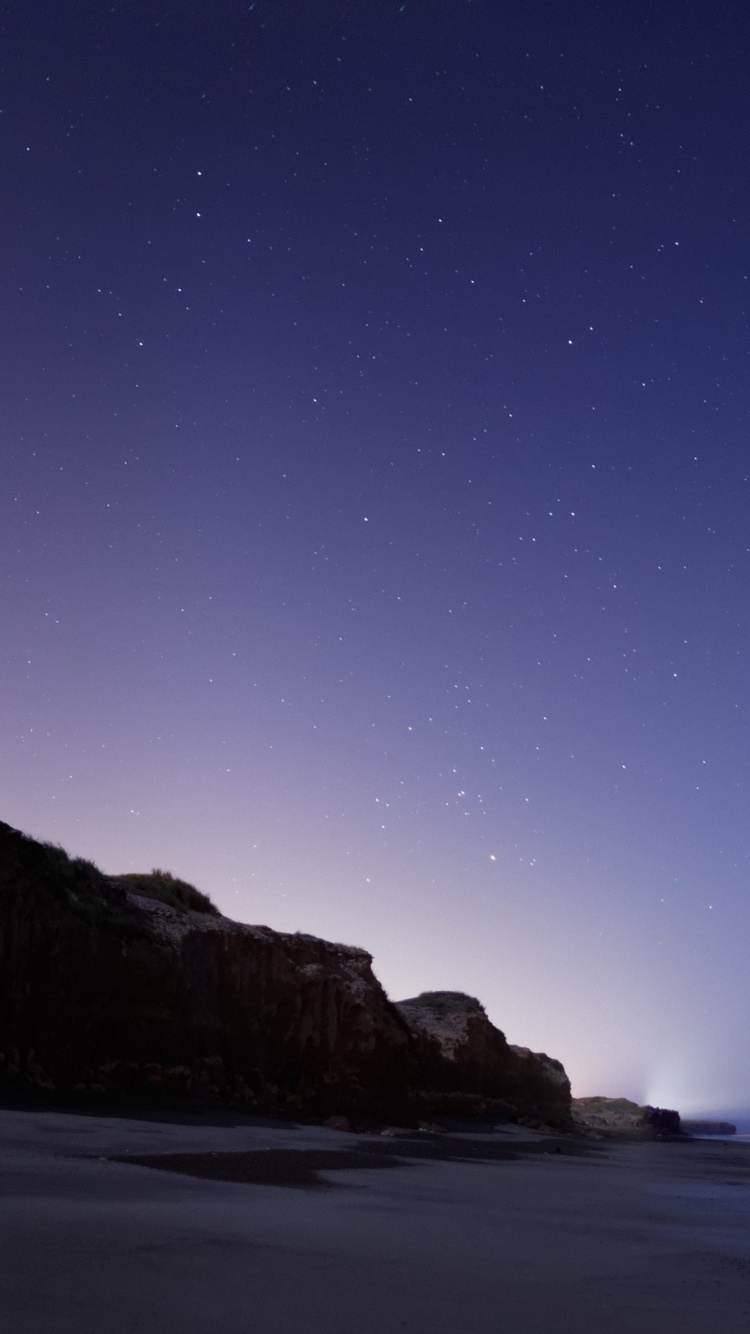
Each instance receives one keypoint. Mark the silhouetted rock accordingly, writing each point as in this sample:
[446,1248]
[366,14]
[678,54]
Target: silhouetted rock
[663,1120]
[708,1128]
[106,989]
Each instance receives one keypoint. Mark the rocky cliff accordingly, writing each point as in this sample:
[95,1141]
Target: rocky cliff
[606,1117]
[137,983]
[468,1063]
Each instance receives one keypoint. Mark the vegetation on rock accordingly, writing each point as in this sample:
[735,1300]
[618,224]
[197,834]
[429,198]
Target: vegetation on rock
[167,888]
[103,899]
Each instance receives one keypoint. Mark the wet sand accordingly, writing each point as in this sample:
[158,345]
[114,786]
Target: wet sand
[110,1224]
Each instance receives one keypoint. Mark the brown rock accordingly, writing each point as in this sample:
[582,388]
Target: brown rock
[469,1068]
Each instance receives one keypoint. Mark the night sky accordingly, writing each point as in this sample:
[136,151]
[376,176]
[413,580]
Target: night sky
[374,522]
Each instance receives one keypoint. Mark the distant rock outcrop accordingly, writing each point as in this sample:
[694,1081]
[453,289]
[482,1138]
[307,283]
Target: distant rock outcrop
[137,983]
[708,1128]
[620,1116]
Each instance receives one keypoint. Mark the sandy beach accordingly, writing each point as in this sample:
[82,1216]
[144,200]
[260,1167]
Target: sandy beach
[465,1233]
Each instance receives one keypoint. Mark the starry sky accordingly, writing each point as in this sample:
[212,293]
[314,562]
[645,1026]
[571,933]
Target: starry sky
[374,523]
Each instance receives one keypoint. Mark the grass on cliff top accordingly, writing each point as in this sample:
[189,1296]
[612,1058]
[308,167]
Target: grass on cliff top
[100,899]
[167,888]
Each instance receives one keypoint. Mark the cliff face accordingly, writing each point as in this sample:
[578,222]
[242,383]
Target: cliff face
[105,988]
[468,1063]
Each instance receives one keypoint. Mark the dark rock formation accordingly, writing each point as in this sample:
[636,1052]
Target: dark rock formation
[663,1120]
[113,984]
[468,1065]
[708,1128]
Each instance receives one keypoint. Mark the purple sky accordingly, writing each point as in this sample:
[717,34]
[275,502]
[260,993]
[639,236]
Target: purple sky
[374,518]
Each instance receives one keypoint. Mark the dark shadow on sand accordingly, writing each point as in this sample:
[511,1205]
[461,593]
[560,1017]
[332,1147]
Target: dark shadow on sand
[302,1167]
